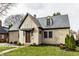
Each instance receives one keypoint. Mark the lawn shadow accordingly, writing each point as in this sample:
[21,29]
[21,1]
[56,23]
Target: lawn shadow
[68,50]
[45,45]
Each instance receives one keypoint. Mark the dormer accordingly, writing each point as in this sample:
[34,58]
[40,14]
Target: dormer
[49,21]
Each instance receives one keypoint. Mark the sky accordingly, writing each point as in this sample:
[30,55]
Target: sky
[47,9]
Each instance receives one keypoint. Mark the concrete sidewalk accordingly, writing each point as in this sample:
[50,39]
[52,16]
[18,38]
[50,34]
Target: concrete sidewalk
[6,51]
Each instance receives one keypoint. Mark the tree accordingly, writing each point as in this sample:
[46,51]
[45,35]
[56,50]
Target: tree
[10,26]
[4,7]
[13,19]
[55,14]
[73,43]
[58,13]
[70,42]
[66,40]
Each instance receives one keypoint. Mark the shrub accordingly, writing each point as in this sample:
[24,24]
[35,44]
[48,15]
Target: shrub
[19,43]
[70,42]
[62,46]
[73,43]
[11,42]
[15,42]
[66,40]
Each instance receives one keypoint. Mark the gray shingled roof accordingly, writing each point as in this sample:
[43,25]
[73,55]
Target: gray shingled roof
[58,21]
[3,30]
[15,26]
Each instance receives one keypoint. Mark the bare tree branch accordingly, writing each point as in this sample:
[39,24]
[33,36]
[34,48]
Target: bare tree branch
[4,7]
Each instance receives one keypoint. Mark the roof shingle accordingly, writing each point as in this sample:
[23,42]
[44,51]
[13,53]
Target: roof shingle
[60,21]
[3,30]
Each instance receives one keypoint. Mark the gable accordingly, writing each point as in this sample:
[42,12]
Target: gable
[28,23]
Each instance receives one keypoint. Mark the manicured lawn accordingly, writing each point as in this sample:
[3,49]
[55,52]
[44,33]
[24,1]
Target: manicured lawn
[41,51]
[2,48]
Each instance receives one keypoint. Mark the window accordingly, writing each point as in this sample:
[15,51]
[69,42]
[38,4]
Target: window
[50,34]
[45,34]
[48,22]
[39,32]
[2,36]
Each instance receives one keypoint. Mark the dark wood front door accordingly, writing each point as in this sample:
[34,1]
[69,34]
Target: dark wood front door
[27,37]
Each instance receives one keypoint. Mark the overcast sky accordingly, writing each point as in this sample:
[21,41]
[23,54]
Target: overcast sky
[43,9]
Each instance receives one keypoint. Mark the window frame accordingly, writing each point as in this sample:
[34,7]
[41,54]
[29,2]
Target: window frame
[40,32]
[2,36]
[50,34]
[48,22]
[45,34]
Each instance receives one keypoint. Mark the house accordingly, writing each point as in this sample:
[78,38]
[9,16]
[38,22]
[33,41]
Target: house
[43,30]
[3,33]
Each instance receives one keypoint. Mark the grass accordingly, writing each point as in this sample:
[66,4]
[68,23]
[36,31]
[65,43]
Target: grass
[2,48]
[41,51]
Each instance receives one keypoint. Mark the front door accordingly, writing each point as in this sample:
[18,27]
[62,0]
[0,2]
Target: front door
[27,37]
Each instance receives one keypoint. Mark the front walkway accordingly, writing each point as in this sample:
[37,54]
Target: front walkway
[12,45]
[6,51]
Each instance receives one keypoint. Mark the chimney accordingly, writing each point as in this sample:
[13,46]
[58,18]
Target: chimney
[0,23]
[35,15]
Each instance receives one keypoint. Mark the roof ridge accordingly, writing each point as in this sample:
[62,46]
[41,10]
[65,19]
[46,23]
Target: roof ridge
[52,16]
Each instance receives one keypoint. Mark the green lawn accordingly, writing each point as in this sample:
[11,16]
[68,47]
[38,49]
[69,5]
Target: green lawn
[41,51]
[2,48]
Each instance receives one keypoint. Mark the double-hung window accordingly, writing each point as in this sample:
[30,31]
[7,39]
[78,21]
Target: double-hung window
[50,34]
[45,34]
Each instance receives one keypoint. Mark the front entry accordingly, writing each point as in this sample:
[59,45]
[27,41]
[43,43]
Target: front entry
[27,37]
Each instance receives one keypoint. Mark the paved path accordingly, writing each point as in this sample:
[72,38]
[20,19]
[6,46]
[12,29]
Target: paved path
[6,51]
[12,45]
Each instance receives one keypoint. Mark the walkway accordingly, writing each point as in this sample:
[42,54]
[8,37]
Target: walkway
[12,45]
[6,51]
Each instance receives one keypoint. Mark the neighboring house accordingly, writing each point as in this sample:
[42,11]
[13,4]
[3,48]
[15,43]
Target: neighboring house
[44,30]
[3,33]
